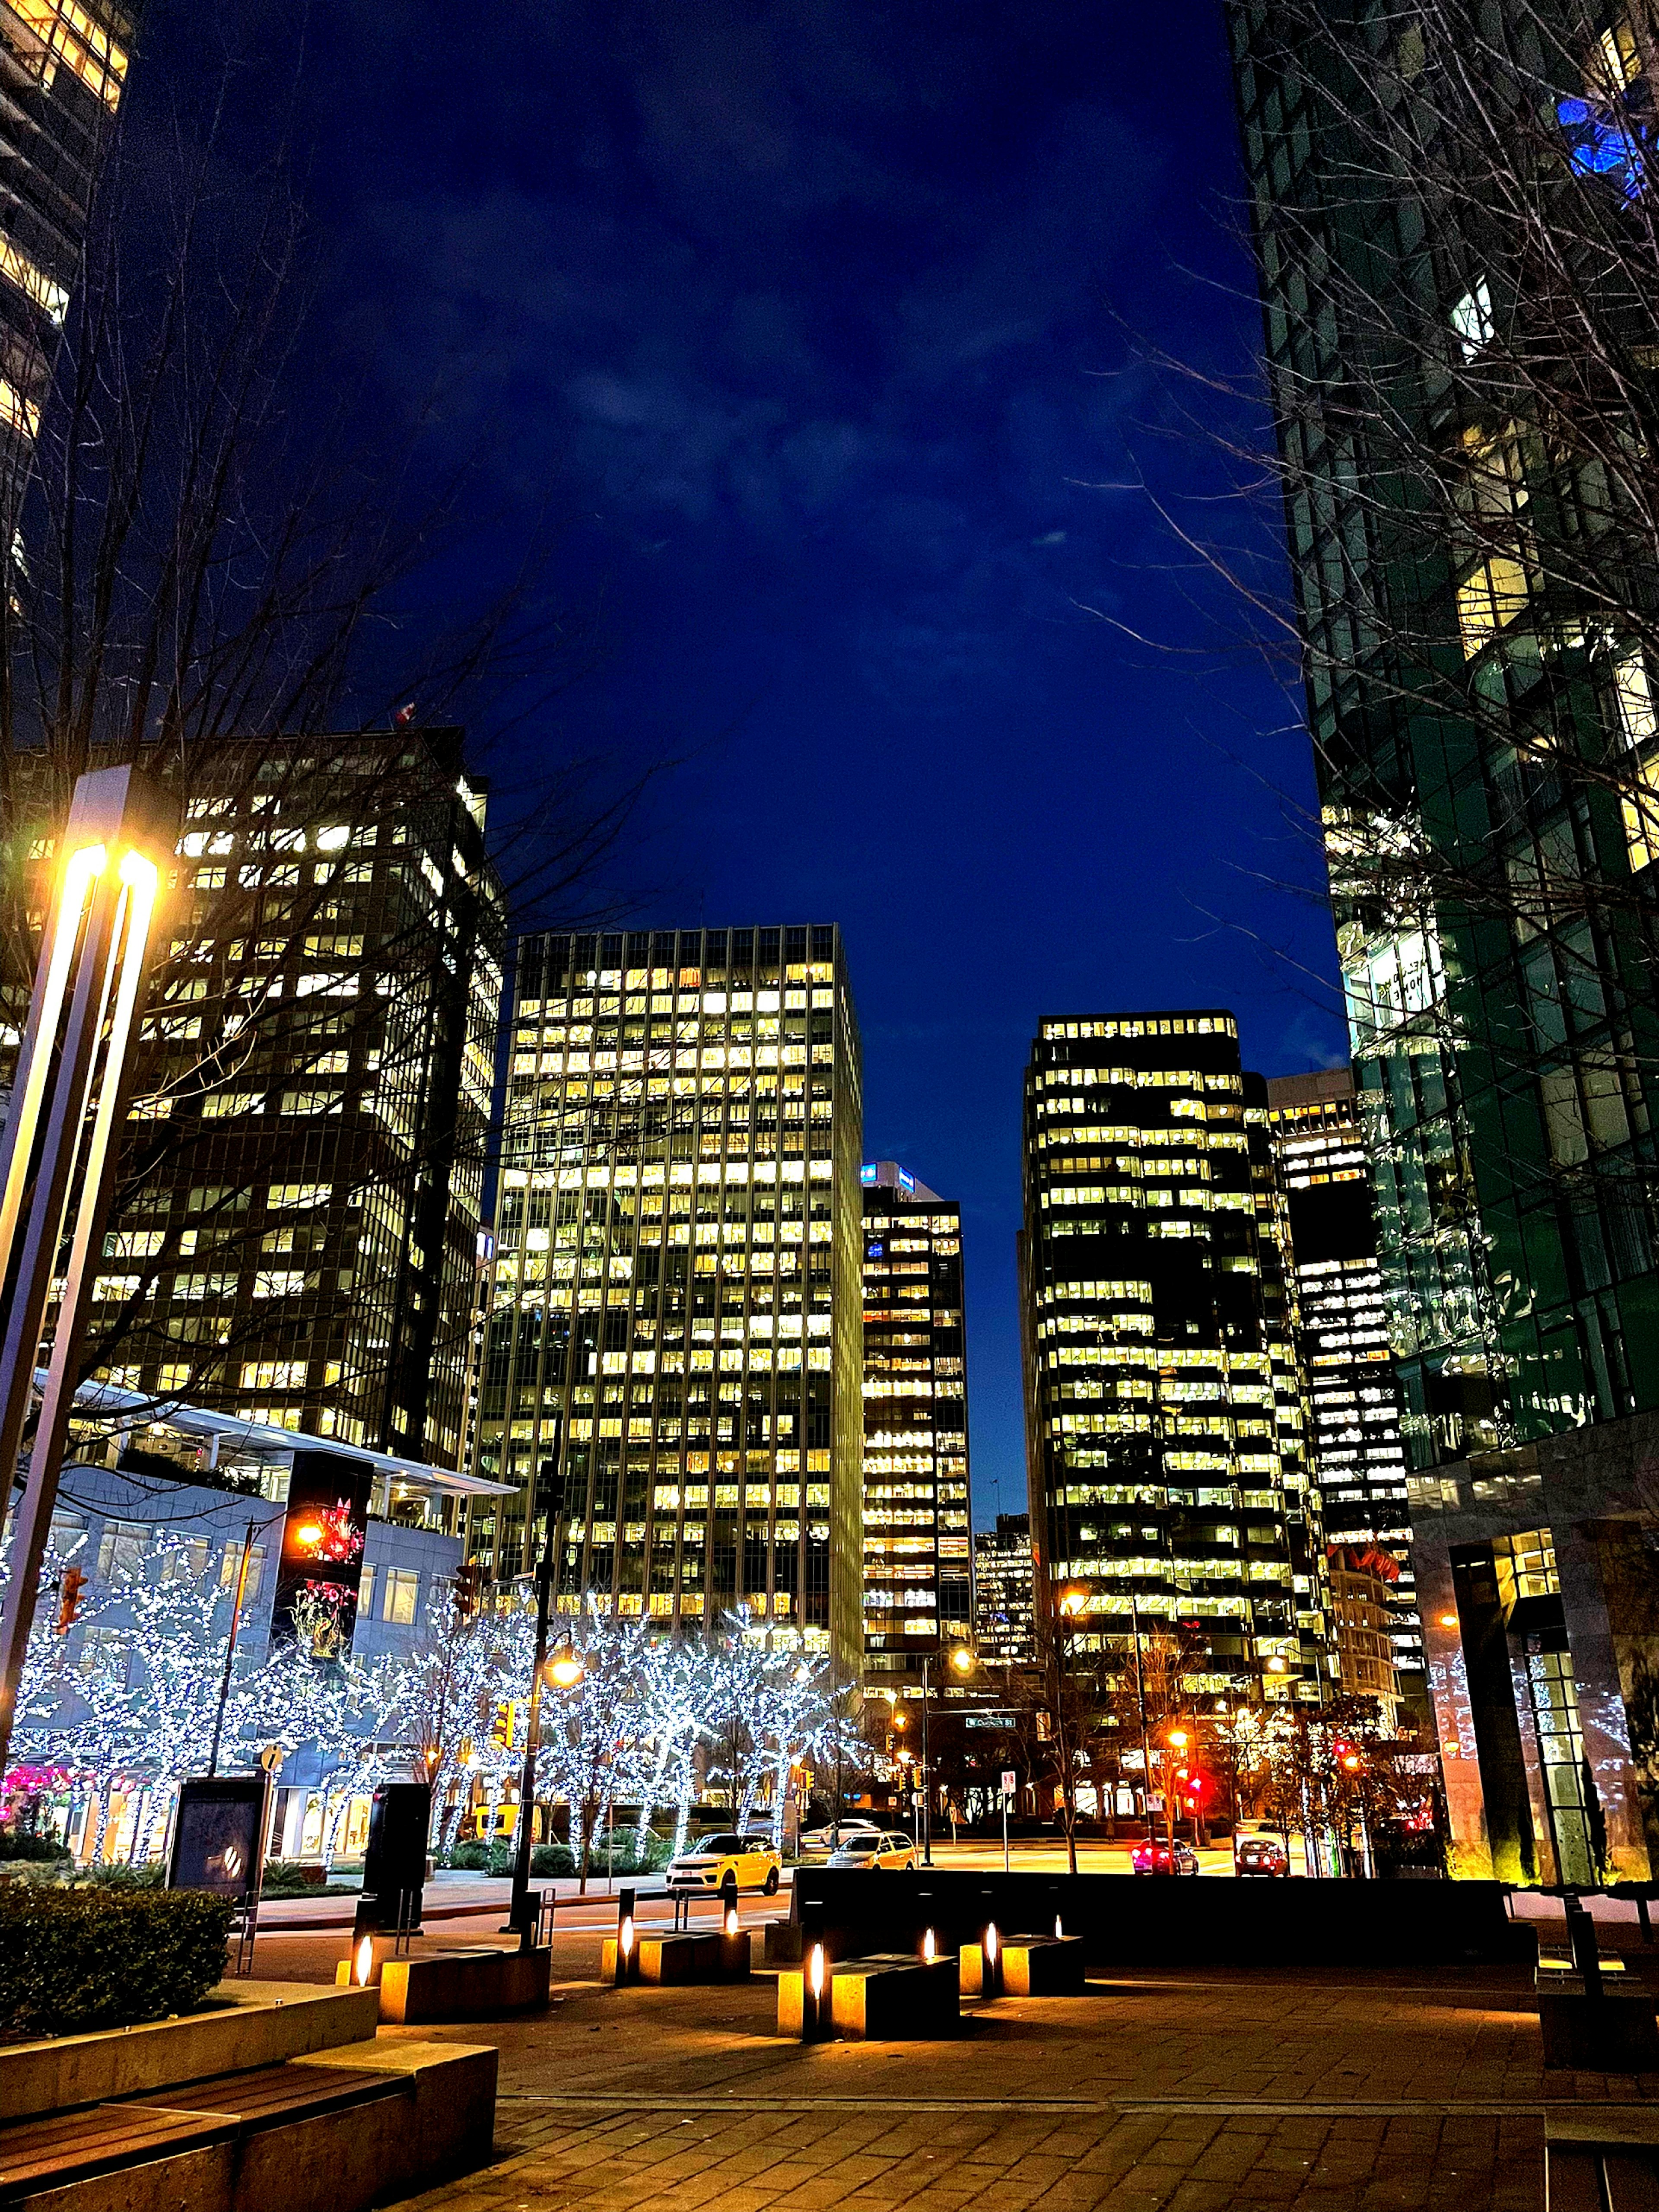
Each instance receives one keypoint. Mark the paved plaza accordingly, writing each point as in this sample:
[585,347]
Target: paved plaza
[1329,2085]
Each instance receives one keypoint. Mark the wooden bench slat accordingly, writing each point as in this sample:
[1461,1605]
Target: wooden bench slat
[268,2091]
[141,2135]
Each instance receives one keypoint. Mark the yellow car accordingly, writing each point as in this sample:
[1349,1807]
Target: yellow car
[749,1861]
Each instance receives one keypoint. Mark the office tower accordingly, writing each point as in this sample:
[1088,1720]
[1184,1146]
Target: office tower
[1472,607]
[917,1561]
[1004,1630]
[295,1238]
[63,65]
[1363,1578]
[1356,1455]
[677,1302]
[1481,729]
[1164,1414]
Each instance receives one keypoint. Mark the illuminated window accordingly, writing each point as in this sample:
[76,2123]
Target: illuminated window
[1472,320]
[69,36]
[402,1587]
[1489,598]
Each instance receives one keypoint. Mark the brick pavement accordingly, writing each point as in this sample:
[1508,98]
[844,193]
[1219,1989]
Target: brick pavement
[1333,2091]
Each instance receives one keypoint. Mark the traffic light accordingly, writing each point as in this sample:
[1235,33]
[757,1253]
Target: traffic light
[500,1725]
[468,1588]
[69,1599]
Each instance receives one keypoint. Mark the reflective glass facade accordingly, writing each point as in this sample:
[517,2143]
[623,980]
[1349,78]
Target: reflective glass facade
[1004,1630]
[1164,1403]
[676,1287]
[918,1563]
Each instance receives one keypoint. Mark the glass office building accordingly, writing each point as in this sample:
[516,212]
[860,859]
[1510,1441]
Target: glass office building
[303,1163]
[1356,1452]
[1004,1630]
[1165,1416]
[918,1560]
[675,1295]
[64,66]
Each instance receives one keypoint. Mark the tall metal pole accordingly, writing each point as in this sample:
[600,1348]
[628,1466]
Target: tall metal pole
[518,1912]
[926,1784]
[57,1153]
[1140,1694]
[230,1647]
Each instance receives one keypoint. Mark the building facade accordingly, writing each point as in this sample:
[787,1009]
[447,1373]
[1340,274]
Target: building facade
[918,1555]
[1494,902]
[675,1308]
[1356,1452]
[1164,1407]
[1005,1625]
[64,66]
[295,1238]
[1362,1583]
[1481,703]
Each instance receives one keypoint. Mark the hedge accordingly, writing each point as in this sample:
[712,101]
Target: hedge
[71,1960]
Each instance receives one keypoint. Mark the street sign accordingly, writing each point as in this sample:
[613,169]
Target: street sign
[1009,1784]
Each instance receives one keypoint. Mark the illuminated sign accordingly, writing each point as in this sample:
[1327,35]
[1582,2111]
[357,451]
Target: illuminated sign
[867,1172]
[905,1181]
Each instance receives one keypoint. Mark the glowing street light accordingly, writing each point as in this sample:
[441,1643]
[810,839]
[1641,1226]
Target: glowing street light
[566,1669]
[58,1157]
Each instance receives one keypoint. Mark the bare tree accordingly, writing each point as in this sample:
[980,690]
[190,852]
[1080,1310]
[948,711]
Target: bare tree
[205,578]
[1455,219]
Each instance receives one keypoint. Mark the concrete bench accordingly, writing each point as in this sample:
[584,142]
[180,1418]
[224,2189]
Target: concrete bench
[712,1956]
[1032,1966]
[889,1999]
[458,1985]
[335,2132]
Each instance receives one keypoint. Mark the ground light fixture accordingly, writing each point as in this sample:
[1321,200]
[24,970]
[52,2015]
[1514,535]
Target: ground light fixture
[730,1919]
[624,1948]
[363,1963]
[929,1946]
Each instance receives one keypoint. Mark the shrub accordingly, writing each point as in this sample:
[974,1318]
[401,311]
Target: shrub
[552,1859]
[107,1875]
[104,1956]
[473,1857]
[15,1846]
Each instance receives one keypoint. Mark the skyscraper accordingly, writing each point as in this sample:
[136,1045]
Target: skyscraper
[1473,595]
[1356,1453]
[918,1564]
[296,1237]
[1483,728]
[1004,1630]
[64,66]
[676,1296]
[1164,1413]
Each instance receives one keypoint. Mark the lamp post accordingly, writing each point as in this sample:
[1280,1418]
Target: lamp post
[552,1495]
[1140,1699]
[963,1660]
[1071,1602]
[57,1158]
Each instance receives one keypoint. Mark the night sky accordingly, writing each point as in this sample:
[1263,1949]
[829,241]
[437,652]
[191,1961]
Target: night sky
[823,325]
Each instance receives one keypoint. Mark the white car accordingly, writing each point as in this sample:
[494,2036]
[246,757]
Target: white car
[749,1861]
[818,1843]
[875,1848]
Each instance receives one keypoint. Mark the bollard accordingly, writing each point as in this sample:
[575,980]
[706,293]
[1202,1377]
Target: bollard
[816,2011]
[991,1953]
[929,1946]
[628,1963]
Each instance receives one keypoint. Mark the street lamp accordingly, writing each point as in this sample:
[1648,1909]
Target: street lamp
[552,1496]
[963,1660]
[57,1158]
[1073,1602]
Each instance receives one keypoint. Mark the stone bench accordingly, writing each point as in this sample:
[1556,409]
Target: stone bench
[889,1999]
[457,1985]
[336,2132]
[1032,1966]
[712,1956]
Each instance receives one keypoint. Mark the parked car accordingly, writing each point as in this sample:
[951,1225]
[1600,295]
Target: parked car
[1159,1858]
[1263,1855]
[750,1860]
[818,1843]
[873,1849]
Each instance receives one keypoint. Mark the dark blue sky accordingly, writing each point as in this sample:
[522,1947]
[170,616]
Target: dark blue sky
[811,315]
